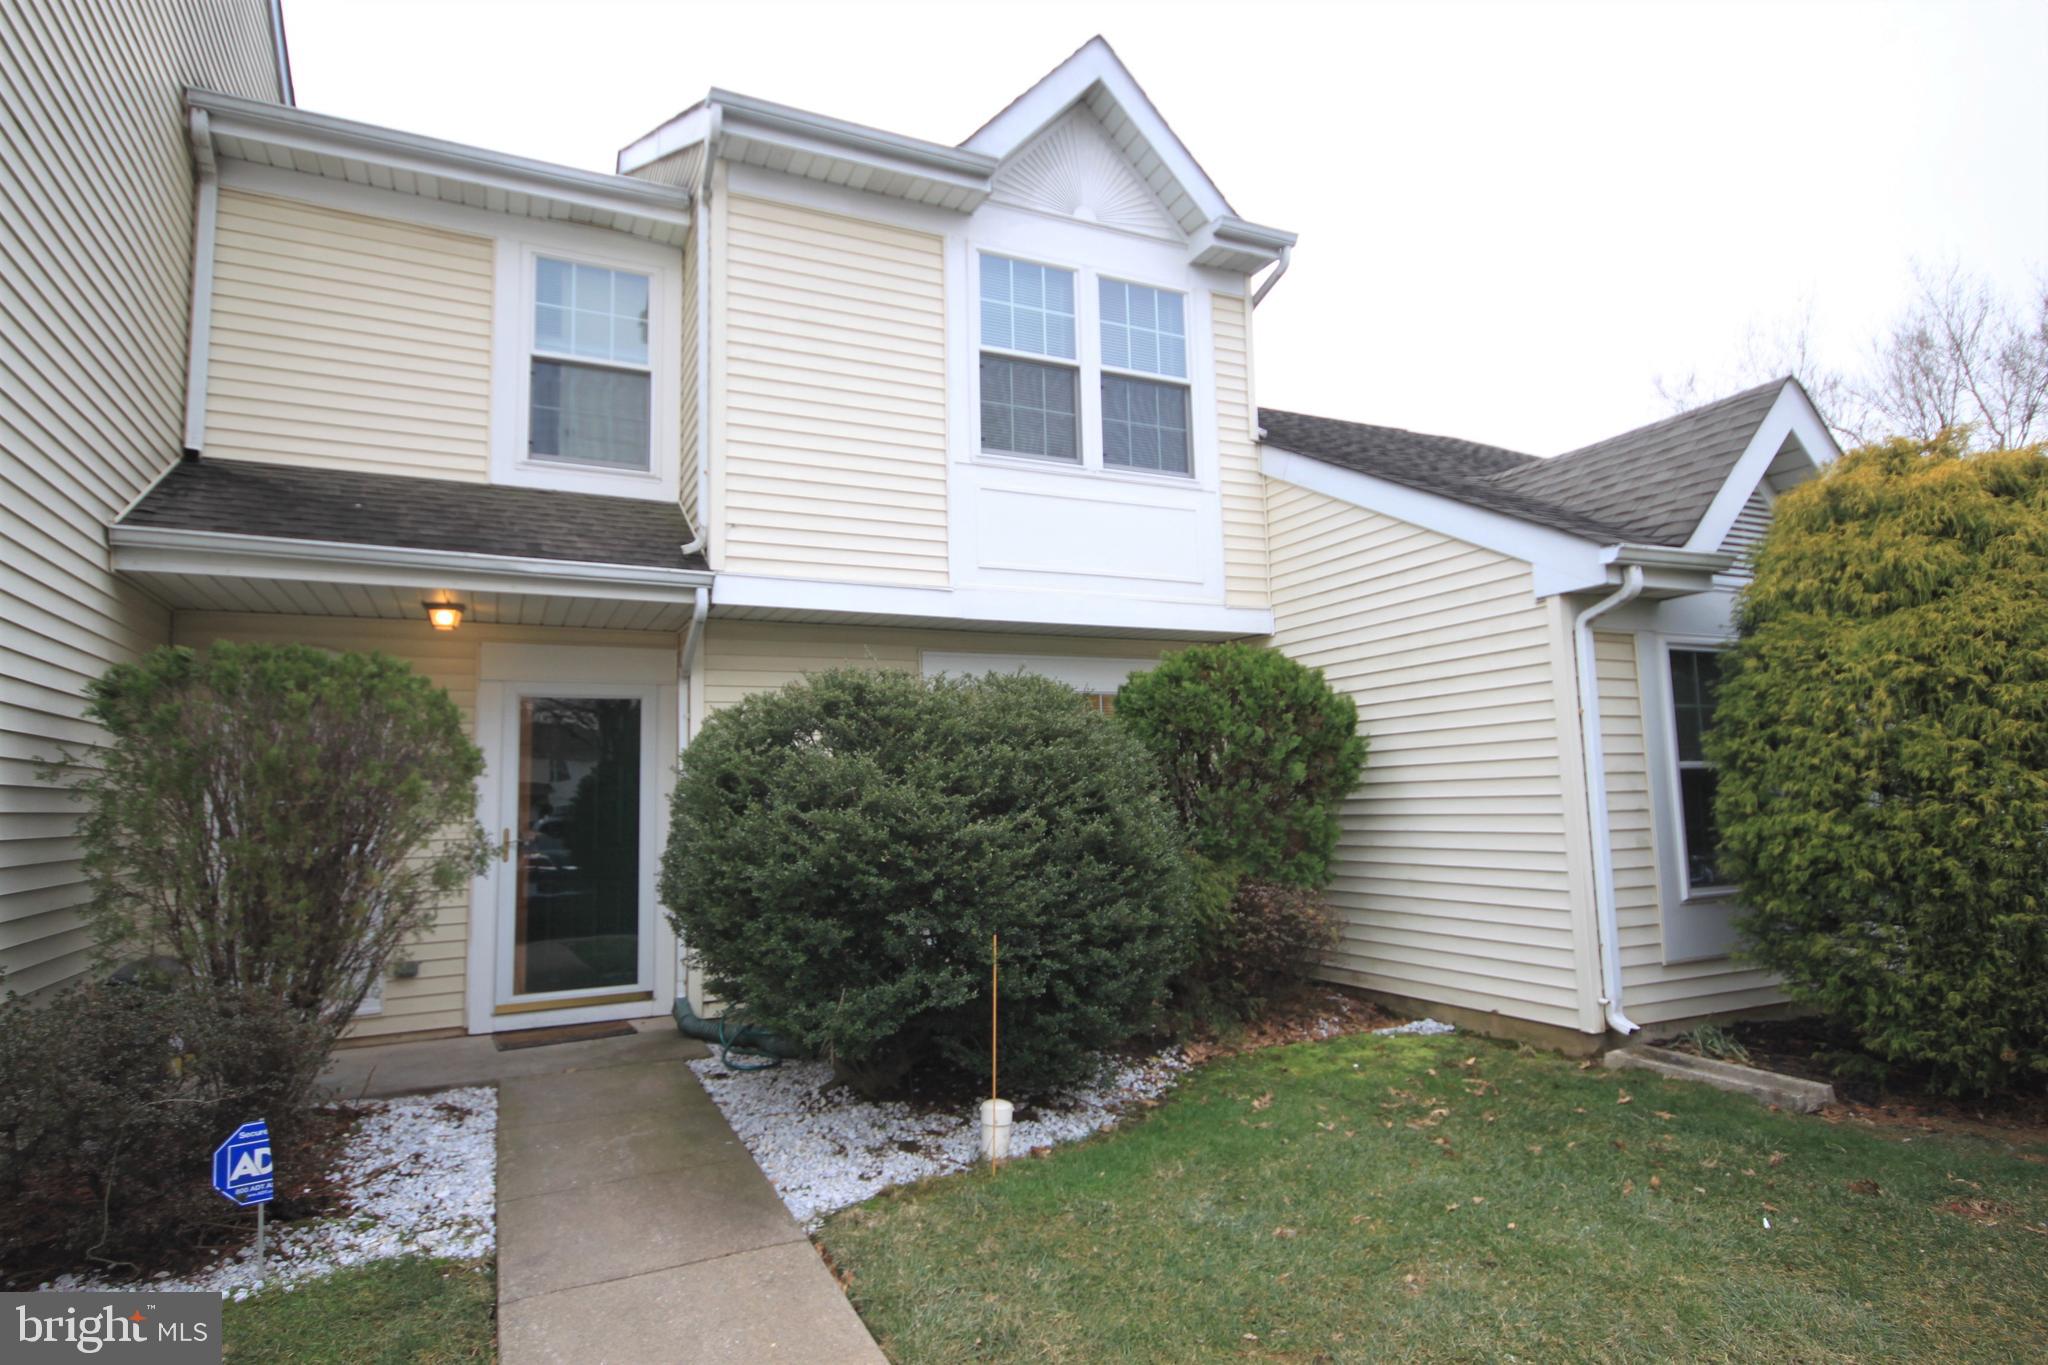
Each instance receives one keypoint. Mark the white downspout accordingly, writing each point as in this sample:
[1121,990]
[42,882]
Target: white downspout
[1266,285]
[199,330]
[693,644]
[1604,915]
[700,195]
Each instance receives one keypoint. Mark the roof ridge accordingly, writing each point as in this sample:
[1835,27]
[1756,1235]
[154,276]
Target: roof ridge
[1405,431]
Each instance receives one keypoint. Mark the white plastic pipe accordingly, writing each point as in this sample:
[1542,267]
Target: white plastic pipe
[1604,916]
[995,1129]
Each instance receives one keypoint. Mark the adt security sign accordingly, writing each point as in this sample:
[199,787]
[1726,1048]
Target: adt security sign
[241,1165]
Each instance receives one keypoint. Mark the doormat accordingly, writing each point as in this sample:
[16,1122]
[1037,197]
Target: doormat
[567,1033]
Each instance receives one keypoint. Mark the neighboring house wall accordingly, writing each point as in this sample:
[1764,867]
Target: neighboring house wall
[349,342]
[833,413]
[435,998]
[95,263]
[742,657]
[1452,878]
[1652,992]
[1245,565]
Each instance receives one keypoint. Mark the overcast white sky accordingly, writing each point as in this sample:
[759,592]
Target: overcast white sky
[1513,217]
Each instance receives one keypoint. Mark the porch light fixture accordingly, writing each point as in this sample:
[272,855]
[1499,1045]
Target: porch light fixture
[443,615]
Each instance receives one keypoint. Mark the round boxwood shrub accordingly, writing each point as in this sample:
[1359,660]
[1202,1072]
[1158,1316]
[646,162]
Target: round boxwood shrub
[1258,752]
[841,851]
[1882,736]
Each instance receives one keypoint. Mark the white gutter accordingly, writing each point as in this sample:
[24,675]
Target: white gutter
[1604,914]
[157,549]
[199,326]
[325,135]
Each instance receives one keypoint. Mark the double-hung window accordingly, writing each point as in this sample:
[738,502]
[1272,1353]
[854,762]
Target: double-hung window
[1695,678]
[591,381]
[1030,364]
[1144,378]
[1083,369]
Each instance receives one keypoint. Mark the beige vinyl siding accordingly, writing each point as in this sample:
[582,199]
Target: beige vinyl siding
[833,415]
[686,487]
[348,342]
[1244,486]
[434,999]
[742,657]
[1652,992]
[95,264]
[1451,875]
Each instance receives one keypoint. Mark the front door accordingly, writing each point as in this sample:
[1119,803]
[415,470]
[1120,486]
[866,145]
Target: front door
[575,912]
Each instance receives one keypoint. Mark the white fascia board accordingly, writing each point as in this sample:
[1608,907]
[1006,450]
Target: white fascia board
[1558,561]
[162,550]
[983,607]
[1791,414]
[1071,80]
[684,130]
[324,135]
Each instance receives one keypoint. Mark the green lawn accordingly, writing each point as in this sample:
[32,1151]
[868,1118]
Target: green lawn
[1380,1198]
[416,1311]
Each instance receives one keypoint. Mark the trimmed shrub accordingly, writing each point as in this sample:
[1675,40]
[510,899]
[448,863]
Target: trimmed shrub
[278,819]
[1257,750]
[1254,941]
[115,1098]
[841,851]
[1882,736]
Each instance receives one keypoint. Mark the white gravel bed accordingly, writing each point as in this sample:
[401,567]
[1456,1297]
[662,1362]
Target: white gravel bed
[420,1174]
[824,1148]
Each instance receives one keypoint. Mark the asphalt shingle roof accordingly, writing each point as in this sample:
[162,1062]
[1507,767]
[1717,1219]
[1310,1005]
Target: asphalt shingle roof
[244,497]
[1648,486]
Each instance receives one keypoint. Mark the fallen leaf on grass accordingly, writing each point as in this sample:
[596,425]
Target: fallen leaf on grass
[1628,1187]
[1626,1098]
[1777,1158]
[1285,1233]
[1262,1102]
[1865,1187]
[1664,1114]
[1656,1183]
[1988,1212]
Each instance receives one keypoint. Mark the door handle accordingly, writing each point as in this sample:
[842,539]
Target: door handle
[505,847]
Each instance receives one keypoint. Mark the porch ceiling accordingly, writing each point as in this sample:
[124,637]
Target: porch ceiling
[275,595]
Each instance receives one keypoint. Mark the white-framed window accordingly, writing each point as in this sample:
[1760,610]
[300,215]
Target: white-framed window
[1030,361]
[586,362]
[1082,368]
[1144,378]
[590,383]
[1695,679]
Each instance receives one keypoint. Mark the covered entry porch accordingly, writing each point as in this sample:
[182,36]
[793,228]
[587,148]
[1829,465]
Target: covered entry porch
[571,670]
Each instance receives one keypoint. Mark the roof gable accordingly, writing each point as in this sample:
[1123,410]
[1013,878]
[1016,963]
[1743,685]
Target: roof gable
[1073,169]
[1095,78]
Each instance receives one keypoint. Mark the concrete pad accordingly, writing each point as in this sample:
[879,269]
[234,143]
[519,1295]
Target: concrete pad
[599,1092]
[1765,1087]
[627,1227]
[380,1070]
[539,1158]
[779,1303]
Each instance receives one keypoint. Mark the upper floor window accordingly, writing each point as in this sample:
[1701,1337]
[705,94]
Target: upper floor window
[591,383]
[1144,422]
[1029,407]
[1695,678]
[1041,356]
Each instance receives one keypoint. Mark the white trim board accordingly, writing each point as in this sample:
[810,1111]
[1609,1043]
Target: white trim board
[984,607]
[1791,414]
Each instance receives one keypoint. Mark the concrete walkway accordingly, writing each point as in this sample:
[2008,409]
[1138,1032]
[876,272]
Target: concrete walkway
[632,1225]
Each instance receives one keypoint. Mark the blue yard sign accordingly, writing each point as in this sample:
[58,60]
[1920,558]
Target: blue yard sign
[241,1165]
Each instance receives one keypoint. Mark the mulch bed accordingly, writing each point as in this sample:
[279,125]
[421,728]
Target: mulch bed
[1309,1013]
[1874,1093]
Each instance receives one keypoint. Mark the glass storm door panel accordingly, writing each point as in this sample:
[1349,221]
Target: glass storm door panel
[576,920]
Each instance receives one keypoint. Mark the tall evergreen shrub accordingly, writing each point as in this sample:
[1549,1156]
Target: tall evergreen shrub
[1882,733]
